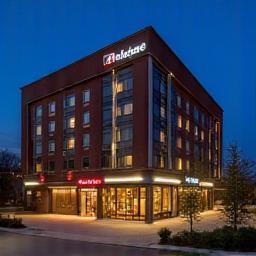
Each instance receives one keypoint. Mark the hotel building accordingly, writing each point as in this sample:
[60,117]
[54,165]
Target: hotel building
[119,134]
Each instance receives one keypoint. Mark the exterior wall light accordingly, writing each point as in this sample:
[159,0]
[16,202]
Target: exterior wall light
[166,180]
[127,179]
[31,183]
[206,184]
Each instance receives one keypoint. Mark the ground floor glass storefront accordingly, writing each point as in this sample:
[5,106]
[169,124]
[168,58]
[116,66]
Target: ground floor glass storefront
[127,203]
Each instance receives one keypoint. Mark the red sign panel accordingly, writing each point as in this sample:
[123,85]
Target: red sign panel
[90,181]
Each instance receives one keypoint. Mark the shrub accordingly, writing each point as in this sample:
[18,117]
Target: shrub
[11,222]
[246,238]
[165,235]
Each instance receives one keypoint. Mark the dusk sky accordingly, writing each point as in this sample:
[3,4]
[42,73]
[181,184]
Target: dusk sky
[216,40]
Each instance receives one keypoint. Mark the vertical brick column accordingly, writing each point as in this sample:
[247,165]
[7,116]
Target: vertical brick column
[99,204]
[149,204]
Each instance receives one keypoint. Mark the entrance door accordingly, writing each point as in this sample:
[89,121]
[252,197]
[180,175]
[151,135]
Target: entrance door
[88,202]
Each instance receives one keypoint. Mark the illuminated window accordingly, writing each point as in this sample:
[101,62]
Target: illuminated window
[86,96]
[128,160]
[187,165]
[70,101]
[52,108]
[71,122]
[39,111]
[86,118]
[179,164]
[39,130]
[38,167]
[179,142]
[162,112]
[70,143]
[124,85]
[179,121]
[128,109]
[161,163]
[51,146]
[51,126]
[86,140]
[124,134]
[187,107]
[187,125]
[179,101]
[196,130]
[202,135]
[162,136]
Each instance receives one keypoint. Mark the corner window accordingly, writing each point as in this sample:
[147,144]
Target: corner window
[179,121]
[70,101]
[70,143]
[52,108]
[38,148]
[39,111]
[179,164]
[38,130]
[51,126]
[51,146]
[86,162]
[86,140]
[179,101]
[71,122]
[86,118]
[179,143]
[86,96]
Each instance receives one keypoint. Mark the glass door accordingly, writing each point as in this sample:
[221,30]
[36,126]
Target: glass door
[88,202]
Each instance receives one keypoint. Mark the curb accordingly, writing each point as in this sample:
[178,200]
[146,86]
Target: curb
[76,237]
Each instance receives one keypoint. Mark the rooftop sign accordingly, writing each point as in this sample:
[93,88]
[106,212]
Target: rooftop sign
[123,54]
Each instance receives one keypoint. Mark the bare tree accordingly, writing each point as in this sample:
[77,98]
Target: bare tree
[9,162]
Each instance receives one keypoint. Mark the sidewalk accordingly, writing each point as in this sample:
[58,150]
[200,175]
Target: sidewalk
[114,232]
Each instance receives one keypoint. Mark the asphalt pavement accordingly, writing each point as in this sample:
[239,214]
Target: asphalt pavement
[23,245]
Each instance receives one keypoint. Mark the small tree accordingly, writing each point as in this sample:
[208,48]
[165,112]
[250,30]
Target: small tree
[190,205]
[238,180]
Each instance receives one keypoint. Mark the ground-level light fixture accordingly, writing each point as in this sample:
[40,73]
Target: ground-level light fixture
[31,183]
[206,184]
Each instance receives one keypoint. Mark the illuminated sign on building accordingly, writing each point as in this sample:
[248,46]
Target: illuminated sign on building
[123,54]
[191,180]
[90,181]
[69,175]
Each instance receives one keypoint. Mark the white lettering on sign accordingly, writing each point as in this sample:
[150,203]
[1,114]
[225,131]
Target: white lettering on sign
[123,54]
[191,180]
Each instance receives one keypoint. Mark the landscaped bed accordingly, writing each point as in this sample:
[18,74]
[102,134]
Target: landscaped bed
[226,238]
[11,222]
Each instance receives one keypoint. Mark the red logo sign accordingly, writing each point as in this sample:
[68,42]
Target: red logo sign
[90,182]
[41,178]
[69,175]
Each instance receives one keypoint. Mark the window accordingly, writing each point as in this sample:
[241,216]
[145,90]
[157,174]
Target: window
[179,164]
[202,135]
[51,146]
[71,163]
[124,85]
[38,148]
[51,166]
[52,108]
[86,96]
[187,147]
[128,109]
[86,118]
[86,162]
[162,111]
[124,161]
[162,136]
[179,142]
[38,167]
[124,134]
[196,114]
[70,143]
[203,119]
[86,140]
[71,122]
[39,111]
[187,165]
[70,101]
[51,126]
[39,130]
[196,130]
[178,101]
[187,125]
[179,121]
[187,108]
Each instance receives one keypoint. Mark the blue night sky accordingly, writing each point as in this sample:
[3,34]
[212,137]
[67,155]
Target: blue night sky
[215,39]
